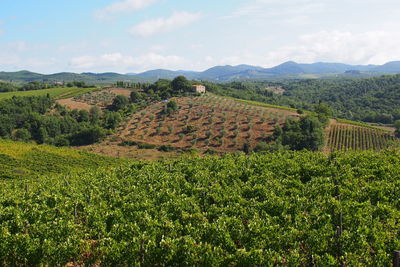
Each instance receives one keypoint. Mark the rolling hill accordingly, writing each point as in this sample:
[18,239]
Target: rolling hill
[218,73]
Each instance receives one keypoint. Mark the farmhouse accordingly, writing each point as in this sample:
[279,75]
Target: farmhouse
[199,88]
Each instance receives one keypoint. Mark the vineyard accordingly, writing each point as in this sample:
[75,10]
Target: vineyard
[282,209]
[205,122]
[23,160]
[349,137]
[58,93]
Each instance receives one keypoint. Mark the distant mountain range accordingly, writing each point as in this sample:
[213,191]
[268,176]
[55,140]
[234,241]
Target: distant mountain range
[219,73]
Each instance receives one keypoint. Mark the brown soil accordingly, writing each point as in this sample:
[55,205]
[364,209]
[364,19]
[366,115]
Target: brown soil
[113,149]
[72,104]
[102,98]
[230,123]
[121,91]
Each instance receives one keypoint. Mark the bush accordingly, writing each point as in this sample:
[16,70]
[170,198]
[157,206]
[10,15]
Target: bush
[128,143]
[166,148]
[190,129]
[22,135]
[87,136]
[146,146]
[119,102]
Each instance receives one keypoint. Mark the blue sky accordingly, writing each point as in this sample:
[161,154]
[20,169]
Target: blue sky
[137,35]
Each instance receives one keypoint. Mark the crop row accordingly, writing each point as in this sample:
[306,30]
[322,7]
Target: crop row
[349,137]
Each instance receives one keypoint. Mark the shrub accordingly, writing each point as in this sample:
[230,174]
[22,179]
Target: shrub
[146,146]
[166,148]
[128,143]
[190,129]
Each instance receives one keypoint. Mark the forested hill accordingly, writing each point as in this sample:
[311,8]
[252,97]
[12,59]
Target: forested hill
[372,100]
[226,73]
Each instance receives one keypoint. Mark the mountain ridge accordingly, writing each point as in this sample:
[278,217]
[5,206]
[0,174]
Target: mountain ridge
[217,73]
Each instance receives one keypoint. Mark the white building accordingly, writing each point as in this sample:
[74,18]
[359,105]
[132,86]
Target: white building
[199,88]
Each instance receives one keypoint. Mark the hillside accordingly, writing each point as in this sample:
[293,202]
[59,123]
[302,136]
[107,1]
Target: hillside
[374,100]
[290,209]
[26,160]
[205,123]
[291,70]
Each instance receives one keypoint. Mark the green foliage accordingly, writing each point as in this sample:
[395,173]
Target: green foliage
[59,92]
[119,102]
[25,160]
[94,114]
[264,147]
[167,148]
[86,136]
[181,84]
[112,120]
[136,97]
[353,137]
[171,107]
[307,133]
[261,210]
[190,129]
[146,146]
[22,135]
[397,126]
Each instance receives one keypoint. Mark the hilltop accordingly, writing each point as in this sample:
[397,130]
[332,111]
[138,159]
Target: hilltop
[288,70]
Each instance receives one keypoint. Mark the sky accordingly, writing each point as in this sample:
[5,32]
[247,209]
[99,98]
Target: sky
[132,36]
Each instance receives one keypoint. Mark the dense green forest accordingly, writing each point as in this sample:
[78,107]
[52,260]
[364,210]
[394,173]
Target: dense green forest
[41,120]
[290,208]
[370,100]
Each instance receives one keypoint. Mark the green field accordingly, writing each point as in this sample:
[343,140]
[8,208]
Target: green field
[26,160]
[282,209]
[58,92]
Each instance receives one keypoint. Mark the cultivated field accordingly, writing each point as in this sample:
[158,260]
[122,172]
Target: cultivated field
[351,137]
[59,92]
[101,98]
[206,122]
[27,160]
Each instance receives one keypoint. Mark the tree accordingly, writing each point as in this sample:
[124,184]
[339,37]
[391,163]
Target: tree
[112,120]
[323,108]
[171,107]
[181,84]
[83,116]
[304,134]
[22,135]
[136,97]
[246,148]
[397,126]
[87,136]
[94,115]
[120,101]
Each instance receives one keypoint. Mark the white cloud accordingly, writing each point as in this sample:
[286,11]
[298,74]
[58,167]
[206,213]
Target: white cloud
[373,47]
[16,62]
[120,62]
[127,6]
[157,48]
[268,9]
[161,25]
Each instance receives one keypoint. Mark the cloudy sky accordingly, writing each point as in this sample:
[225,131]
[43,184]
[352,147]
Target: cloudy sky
[123,36]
